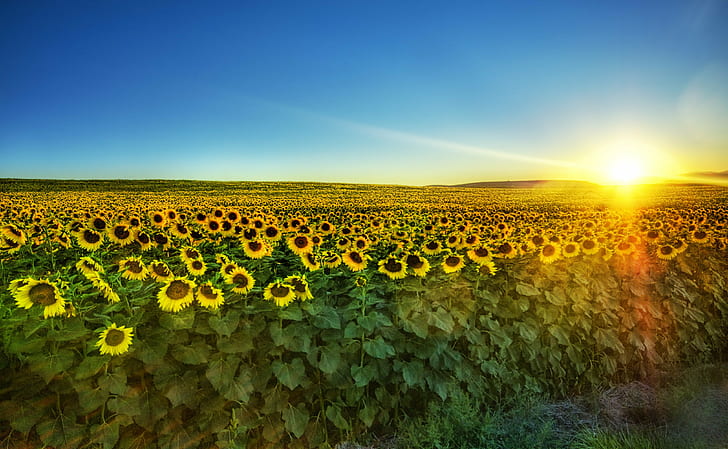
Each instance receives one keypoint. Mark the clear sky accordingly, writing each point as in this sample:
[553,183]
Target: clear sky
[399,92]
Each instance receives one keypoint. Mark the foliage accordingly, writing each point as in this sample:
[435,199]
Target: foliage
[366,351]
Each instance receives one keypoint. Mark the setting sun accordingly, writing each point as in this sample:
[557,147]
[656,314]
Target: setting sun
[625,169]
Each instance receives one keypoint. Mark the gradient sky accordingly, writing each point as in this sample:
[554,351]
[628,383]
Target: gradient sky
[394,92]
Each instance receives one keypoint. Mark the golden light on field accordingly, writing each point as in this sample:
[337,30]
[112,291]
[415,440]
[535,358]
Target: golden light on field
[631,161]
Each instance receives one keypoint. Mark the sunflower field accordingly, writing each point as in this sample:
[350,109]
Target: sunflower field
[180,314]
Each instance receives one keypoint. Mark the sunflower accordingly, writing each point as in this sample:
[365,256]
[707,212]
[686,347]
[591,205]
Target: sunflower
[326,228]
[355,260]
[419,265]
[196,267]
[98,223]
[160,238]
[309,261]
[89,239]
[300,287]
[144,241]
[227,268]
[272,233]
[343,243]
[242,280]
[452,263]
[549,252]
[589,246]
[188,254]
[42,292]
[666,252]
[361,243]
[120,234]
[432,248]
[133,268]
[160,271]
[105,289]
[89,267]
[479,255]
[209,296]
[652,235]
[488,268]
[506,250]
[680,246]
[16,284]
[300,244]
[331,259]
[393,267]
[176,294]
[624,248]
[279,292]
[13,234]
[570,249]
[699,236]
[158,219]
[213,225]
[256,249]
[115,340]
[180,230]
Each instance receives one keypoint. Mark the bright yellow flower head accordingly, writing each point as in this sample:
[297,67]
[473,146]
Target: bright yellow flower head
[115,340]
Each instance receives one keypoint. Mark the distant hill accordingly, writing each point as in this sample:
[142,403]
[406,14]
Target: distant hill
[707,174]
[533,184]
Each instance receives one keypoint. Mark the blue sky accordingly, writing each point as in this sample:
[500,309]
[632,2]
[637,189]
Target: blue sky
[417,92]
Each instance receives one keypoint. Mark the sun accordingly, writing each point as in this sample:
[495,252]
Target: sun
[625,169]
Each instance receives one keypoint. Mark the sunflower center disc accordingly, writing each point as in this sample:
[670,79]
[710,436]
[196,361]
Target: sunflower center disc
[177,290]
[42,294]
[280,291]
[114,337]
[452,261]
[393,266]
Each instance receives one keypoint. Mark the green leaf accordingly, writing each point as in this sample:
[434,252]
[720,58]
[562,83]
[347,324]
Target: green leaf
[89,366]
[183,319]
[25,345]
[182,390]
[527,332]
[296,419]
[73,329]
[50,365]
[557,297]
[368,414]
[292,312]
[527,289]
[441,319]
[61,432]
[25,416]
[221,373]
[417,324]
[413,373]
[114,383]
[226,324]
[378,348]
[330,358]
[560,334]
[363,374]
[91,399]
[107,434]
[326,318]
[290,374]
[237,343]
[333,412]
[194,354]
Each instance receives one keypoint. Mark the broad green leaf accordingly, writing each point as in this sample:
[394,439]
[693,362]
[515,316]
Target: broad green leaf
[368,414]
[292,312]
[91,399]
[363,374]
[237,343]
[326,318]
[62,431]
[527,332]
[182,389]
[114,383]
[50,365]
[25,416]
[226,324]
[378,348]
[290,374]
[194,354]
[330,358]
[183,319]
[333,412]
[296,419]
[527,289]
[441,319]
[221,373]
[89,366]
[73,329]
[413,373]
[560,334]
[557,297]
[107,434]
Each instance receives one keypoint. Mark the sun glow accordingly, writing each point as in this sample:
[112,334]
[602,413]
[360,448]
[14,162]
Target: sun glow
[629,162]
[625,169]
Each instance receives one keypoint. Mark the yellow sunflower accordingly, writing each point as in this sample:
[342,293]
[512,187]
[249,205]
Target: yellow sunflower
[105,289]
[300,287]
[480,255]
[419,265]
[196,267]
[699,236]
[666,252]
[393,267]
[209,296]
[452,263]
[300,244]
[143,240]
[570,249]
[160,272]
[133,268]
[176,294]
[624,248]
[589,246]
[89,239]
[488,268]
[115,340]
[549,252]
[355,260]
[13,233]
[188,254]
[310,262]
[279,292]
[257,249]
[41,292]
[120,234]
[506,250]
[88,266]
[158,219]
[242,281]
[432,248]
[272,233]
[331,259]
